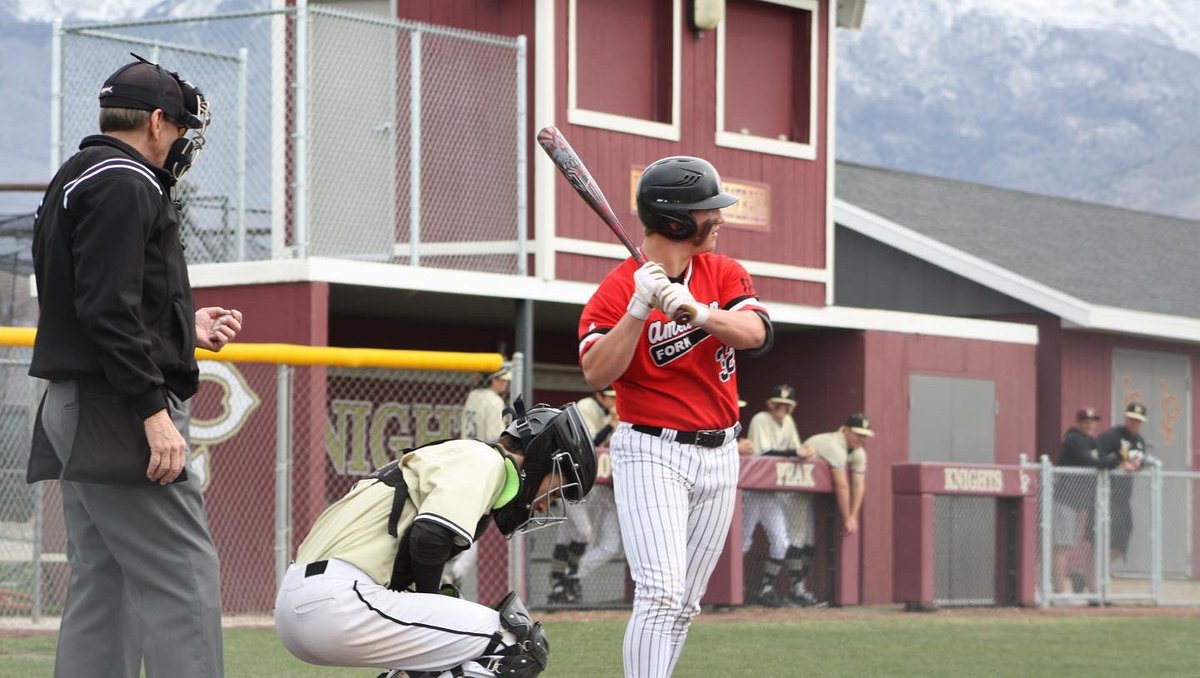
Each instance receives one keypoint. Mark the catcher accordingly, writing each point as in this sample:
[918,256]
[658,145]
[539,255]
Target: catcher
[366,591]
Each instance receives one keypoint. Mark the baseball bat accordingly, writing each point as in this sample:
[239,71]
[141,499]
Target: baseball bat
[567,161]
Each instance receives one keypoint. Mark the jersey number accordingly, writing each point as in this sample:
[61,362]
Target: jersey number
[725,358]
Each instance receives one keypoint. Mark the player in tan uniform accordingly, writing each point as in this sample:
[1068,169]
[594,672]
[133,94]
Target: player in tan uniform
[482,419]
[599,412]
[483,411]
[366,590]
[772,432]
[845,452]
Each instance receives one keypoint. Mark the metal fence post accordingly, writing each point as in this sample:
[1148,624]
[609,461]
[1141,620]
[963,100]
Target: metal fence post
[300,136]
[1101,535]
[38,508]
[522,180]
[283,470]
[56,95]
[518,549]
[1156,531]
[414,148]
[1046,487]
[243,75]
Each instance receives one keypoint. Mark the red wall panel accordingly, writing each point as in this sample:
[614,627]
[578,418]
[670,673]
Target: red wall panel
[889,360]
[1086,377]
[797,187]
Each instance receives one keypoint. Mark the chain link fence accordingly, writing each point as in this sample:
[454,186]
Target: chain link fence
[334,134]
[227,197]
[966,554]
[788,548]
[1113,536]
[271,446]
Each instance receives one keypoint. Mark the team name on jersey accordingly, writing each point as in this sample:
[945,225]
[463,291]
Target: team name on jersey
[671,340]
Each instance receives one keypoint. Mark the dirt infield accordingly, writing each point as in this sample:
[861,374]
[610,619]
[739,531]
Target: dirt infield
[741,615]
[20,628]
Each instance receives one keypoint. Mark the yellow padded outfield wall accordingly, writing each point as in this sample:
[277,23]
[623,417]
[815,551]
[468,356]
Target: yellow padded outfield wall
[294,354]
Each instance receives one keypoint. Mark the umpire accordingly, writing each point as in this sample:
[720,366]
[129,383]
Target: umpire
[116,339]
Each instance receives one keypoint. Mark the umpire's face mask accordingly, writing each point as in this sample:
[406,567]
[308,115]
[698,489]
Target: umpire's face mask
[186,149]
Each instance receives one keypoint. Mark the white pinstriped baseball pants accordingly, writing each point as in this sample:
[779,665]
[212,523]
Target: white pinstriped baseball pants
[675,504]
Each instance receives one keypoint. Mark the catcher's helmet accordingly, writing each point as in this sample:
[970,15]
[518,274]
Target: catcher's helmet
[671,188]
[554,443]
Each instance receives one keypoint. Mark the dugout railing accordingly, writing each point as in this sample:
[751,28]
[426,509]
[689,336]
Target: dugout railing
[278,432]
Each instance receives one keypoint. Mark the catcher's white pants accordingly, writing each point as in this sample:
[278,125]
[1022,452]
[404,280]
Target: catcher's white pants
[343,618]
[767,509]
[606,530]
[464,563]
[675,503]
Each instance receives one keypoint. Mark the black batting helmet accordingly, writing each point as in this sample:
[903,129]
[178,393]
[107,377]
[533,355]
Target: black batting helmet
[554,442]
[671,188]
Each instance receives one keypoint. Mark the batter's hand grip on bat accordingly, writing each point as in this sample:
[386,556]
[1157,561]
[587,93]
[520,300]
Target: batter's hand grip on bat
[568,163]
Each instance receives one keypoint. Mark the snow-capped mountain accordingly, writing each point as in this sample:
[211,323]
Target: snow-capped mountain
[1094,99]
[1090,100]
[25,74]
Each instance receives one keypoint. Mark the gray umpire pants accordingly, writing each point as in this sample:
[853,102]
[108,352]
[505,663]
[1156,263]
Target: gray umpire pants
[145,582]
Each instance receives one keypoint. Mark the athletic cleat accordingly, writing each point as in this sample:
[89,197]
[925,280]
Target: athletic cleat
[558,595]
[573,589]
[768,597]
[806,599]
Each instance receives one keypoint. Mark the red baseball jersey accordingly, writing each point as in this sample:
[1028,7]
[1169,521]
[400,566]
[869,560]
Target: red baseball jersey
[681,376]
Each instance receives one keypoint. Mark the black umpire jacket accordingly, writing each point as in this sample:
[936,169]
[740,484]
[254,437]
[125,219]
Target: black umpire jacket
[116,307]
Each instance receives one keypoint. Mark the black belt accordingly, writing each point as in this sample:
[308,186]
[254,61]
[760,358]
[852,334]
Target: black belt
[313,569]
[708,438]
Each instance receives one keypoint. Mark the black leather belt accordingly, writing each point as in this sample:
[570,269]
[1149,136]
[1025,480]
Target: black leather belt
[316,568]
[707,438]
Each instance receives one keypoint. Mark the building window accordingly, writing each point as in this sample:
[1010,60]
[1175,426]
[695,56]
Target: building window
[767,77]
[623,65]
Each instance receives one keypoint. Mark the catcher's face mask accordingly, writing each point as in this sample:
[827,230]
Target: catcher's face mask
[559,467]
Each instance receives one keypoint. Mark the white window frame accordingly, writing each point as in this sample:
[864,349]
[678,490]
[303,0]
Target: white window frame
[750,142]
[622,123]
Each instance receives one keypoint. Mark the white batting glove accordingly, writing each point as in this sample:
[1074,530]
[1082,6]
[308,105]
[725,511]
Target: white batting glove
[676,297]
[648,282]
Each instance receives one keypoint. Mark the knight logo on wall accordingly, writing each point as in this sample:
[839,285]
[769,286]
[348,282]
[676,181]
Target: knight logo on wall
[235,402]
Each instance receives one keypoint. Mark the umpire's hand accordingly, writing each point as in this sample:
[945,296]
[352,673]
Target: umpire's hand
[168,449]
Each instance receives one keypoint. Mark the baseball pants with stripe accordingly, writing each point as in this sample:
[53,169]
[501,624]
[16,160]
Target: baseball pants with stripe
[340,617]
[675,503]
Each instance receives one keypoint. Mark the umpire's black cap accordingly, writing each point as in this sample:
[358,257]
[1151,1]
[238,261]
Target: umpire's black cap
[146,86]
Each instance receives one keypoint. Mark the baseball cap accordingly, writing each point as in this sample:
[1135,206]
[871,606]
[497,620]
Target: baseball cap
[783,394]
[504,373]
[1087,414]
[859,424]
[1135,410]
[145,86]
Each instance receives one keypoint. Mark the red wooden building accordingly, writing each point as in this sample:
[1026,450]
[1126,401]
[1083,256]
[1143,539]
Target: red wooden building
[628,82]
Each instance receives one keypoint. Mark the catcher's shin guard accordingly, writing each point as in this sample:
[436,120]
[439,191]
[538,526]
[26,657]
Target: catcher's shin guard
[528,657]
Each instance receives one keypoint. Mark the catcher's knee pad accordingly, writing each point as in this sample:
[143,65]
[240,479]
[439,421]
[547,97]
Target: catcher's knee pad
[528,657]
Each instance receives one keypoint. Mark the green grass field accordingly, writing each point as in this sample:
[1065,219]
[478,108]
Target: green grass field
[760,643]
